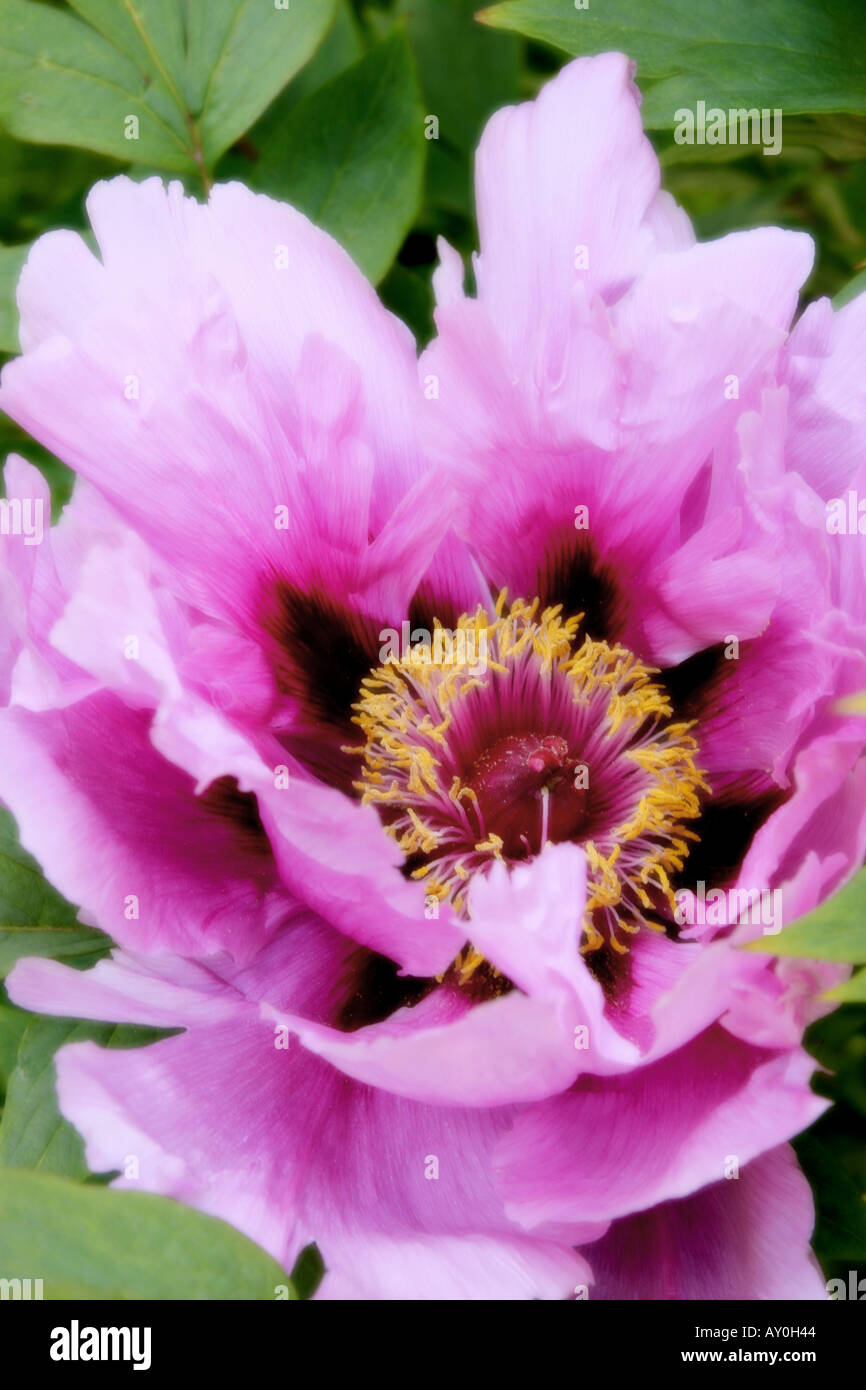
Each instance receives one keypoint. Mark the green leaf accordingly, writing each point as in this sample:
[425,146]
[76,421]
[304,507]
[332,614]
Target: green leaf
[838,1042]
[340,48]
[33,1133]
[63,83]
[466,74]
[193,76]
[409,295]
[12,1025]
[840,1201]
[652,34]
[351,155]
[88,1242]
[836,930]
[832,1152]
[80,947]
[308,1271]
[853,991]
[26,897]
[241,54]
[42,187]
[149,32]
[34,919]
[59,478]
[779,53]
[12,259]
[845,295]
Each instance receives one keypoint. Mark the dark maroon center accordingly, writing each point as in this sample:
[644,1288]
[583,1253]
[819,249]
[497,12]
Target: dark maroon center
[510,780]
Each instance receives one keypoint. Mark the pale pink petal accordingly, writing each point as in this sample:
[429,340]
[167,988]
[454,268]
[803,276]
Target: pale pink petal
[739,1240]
[609,1147]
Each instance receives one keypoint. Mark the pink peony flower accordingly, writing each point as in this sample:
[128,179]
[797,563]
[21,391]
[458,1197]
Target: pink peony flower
[429,736]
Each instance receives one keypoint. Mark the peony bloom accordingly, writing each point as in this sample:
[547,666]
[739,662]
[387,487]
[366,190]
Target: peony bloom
[420,731]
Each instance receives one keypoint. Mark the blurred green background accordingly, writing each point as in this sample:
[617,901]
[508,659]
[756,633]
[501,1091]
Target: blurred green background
[324,103]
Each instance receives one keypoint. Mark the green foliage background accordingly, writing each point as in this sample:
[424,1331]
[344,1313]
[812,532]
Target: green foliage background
[323,104]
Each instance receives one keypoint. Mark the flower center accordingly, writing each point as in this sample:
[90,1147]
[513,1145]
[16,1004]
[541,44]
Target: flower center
[506,734]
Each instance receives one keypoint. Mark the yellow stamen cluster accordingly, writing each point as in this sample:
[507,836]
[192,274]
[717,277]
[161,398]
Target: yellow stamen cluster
[666,754]
[407,706]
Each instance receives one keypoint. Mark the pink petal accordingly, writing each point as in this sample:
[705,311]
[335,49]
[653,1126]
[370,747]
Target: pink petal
[737,1240]
[607,1148]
